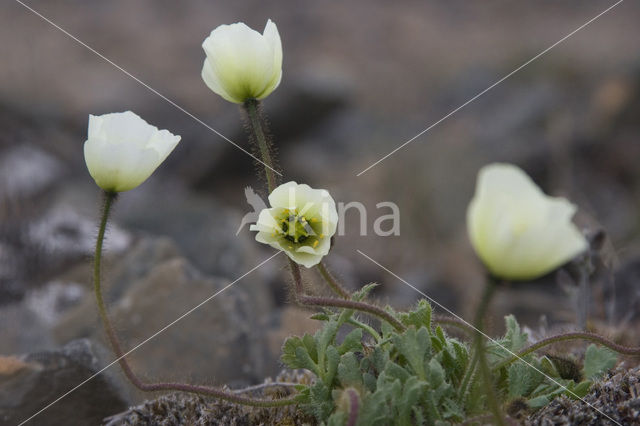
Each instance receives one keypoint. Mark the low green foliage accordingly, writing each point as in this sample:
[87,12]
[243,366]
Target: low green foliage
[422,376]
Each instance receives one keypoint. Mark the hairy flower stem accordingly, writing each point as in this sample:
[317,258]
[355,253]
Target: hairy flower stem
[333,283]
[485,371]
[109,198]
[338,303]
[624,350]
[453,322]
[259,133]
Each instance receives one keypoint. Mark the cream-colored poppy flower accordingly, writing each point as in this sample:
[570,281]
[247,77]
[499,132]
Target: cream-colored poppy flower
[517,231]
[122,150]
[301,222]
[241,63]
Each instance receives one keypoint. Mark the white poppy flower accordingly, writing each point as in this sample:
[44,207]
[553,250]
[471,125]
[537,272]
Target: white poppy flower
[241,63]
[301,222]
[122,150]
[517,231]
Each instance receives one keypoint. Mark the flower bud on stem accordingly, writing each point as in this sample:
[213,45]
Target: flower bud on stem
[109,199]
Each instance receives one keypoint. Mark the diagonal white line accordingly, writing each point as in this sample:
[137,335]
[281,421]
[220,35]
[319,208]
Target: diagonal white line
[151,337]
[151,89]
[491,87]
[486,336]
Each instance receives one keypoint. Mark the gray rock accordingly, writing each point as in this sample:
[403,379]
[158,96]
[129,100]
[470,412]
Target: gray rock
[221,341]
[202,228]
[30,382]
[27,324]
[26,170]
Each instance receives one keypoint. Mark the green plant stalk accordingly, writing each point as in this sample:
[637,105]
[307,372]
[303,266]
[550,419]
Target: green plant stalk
[335,286]
[467,378]
[485,371]
[338,303]
[259,132]
[624,350]
[109,199]
[366,328]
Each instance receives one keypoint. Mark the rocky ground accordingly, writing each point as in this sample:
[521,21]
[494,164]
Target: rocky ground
[359,79]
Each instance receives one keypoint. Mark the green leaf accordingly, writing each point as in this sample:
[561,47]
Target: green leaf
[349,373]
[452,410]
[461,358]
[303,360]
[436,376]
[364,291]
[333,358]
[320,316]
[393,372]
[309,343]
[296,355]
[514,339]
[523,379]
[352,342]
[379,359]
[441,336]
[418,317]
[410,394]
[414,346]
[597,361]
[580,390]
[539,402]
[369,381]
[324,337]
[321,404]
[548,367]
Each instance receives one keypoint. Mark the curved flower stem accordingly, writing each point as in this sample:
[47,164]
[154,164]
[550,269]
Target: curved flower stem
[485,371]
[109,198]
[338,303]
[265,386]
[259,132]
[454,322]
[333,283]
[624,350]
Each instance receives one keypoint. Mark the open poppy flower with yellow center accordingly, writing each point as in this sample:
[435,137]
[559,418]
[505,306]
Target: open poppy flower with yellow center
[300,221]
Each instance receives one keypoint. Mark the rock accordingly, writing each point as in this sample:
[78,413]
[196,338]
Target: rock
[222,341]
[26,171]
[34,250]
[28,383]
[27,325]
[202,228]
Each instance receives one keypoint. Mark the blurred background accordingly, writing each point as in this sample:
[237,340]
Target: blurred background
[359,79]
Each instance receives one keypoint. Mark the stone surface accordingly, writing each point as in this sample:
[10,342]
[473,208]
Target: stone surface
[222,341]
[30,382]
